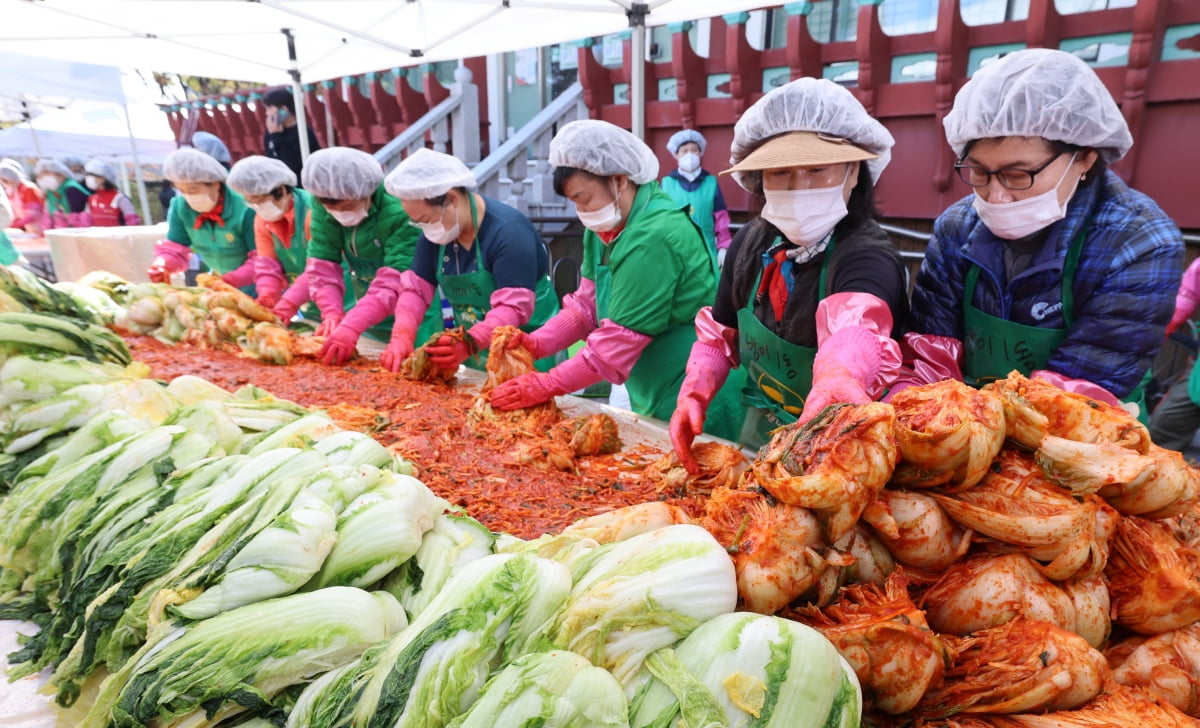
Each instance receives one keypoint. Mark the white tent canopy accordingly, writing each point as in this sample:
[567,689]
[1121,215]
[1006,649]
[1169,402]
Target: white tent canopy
[241,39]
[91,130]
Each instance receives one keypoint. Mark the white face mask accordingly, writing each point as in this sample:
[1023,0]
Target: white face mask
[202,202]
[93,182]
[47,182]
[268,211]
[1020,218]
[437,232]
[349,218]
[689,162]
[604,219]
[805,217]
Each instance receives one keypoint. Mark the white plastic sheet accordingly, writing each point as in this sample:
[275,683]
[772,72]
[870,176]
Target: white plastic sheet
[125,251]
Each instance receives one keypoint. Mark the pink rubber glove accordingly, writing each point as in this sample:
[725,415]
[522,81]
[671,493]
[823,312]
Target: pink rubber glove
[412,301]
[721,229]
[447,353]
[928,358]
[327,289]
[1187,297]
[169,257]
[844,310]
[1079,386]
[575,321]
[340,346]
[243,275]
[376,304]
[612,351]
[707,369]
[292,299]
[398,349]
[269,280]
[845,365]
[509,307]
[77,219]
[533,389]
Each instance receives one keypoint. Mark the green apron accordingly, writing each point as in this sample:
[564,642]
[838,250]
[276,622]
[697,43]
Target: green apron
[699,203]
[993,347]
[470,297]
[778,372]
[221,248]
[8,252]
[362,270]
[56,199]
[294,257]
[655,379]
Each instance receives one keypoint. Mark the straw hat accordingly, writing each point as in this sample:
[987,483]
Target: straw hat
[801,149]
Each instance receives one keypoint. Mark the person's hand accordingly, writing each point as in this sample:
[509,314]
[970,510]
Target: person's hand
[267,300]
[340,347]
[398,349]
[285,310]
[158,274]
[525,340]
[328,325]
[523,392]
[686,422]
[447,353]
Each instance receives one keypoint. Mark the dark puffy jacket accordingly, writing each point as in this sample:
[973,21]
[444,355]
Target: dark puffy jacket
[1124,288]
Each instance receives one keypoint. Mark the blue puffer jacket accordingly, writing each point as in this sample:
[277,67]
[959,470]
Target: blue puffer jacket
[1124,288]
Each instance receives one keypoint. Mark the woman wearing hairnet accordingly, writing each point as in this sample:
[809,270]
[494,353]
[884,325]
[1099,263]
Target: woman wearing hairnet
[66,199]
[486,256]
[813,290]
[282,215]
[357,222]
[206,218]
[107,206]
[646,272]
[1053,266]
[693,187]
[28,202]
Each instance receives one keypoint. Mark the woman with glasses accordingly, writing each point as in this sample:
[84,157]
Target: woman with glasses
[486,256]
[357,223]
[1053,266]
[813,290]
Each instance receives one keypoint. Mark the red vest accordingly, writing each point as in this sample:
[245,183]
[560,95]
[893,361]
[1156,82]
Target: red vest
[103,207]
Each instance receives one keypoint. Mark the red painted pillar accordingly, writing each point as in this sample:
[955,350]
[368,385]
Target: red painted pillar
[1145,50]
[688,69]
[743,61]
[803,51]
[950,43]
[874,50]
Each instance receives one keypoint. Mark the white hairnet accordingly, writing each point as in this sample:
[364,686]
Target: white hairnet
[603,149]
[11,170]
[260,175]
[679,138]
[211,145]
[1039,92]
[71,160]
[100,168]
[192,165]
[51,166]
[809,104]
[426,174]
[342,173]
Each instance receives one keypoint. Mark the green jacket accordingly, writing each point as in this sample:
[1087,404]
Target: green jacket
[384,238]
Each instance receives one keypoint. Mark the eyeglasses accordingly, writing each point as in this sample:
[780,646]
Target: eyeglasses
[1013,179]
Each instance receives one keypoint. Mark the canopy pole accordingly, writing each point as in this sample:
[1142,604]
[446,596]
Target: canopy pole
[37,146]
[637,83]
[137,166]
[297,95]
